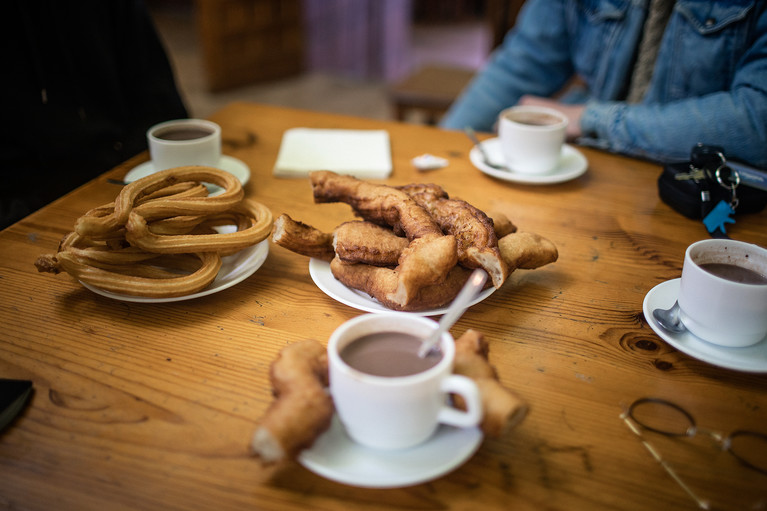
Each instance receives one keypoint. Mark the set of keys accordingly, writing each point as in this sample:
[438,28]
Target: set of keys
[709,165]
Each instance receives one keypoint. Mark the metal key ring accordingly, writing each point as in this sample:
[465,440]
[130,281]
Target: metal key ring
[721,182]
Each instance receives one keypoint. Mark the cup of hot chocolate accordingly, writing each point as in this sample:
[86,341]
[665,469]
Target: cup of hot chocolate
[723,292]
[184,142]
[386,396]
[531,138]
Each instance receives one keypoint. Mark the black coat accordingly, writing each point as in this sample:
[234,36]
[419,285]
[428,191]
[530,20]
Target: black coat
[83,81]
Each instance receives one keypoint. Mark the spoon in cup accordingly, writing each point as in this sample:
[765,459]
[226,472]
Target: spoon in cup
[473,285]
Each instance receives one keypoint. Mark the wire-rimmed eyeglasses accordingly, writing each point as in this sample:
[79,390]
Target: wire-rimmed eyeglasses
[669,419]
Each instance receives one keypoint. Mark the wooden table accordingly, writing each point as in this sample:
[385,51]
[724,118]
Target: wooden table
[152,406]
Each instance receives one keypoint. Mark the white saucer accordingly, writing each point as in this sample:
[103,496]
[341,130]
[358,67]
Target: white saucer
[227,163]
[234,269]
[572,164]
[324,279]
[751,359]
[337,457]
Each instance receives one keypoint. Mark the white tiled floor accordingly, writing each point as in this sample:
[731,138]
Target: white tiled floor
[462,44]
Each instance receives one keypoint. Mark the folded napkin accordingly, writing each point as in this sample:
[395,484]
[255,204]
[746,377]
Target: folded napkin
[365,154]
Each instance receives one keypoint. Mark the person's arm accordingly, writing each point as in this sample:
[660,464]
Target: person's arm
[534,59]
[735,119]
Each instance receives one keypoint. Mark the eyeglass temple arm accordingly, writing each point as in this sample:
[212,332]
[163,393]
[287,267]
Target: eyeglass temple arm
[702,503]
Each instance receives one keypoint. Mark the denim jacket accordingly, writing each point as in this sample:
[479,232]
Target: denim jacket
[709,83]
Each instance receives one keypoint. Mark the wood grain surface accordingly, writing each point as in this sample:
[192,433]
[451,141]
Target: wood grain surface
[152,406]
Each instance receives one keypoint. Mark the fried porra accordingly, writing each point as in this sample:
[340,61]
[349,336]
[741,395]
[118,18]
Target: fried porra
[302,239]
[413,235]
[365,242]
[472,228]
[527,250]
[381,283]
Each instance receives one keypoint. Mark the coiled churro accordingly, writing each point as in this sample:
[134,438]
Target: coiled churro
[118,282]
[157,239]
[93,225]
[139,234]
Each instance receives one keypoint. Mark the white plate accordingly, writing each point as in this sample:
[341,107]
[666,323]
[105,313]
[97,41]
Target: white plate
[572,164]
[227,163]
[751,359]
[337,457]
[324,279]
[234,269]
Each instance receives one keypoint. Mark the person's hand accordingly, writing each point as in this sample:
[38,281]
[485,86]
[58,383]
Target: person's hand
[572,112]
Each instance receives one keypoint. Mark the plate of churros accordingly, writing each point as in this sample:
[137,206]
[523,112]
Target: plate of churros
[234,269]
[166,238]
[328,284]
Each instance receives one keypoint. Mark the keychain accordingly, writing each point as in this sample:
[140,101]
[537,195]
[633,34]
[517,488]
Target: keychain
[708,187]
[711,161]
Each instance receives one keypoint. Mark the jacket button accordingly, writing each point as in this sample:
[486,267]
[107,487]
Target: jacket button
[710,22]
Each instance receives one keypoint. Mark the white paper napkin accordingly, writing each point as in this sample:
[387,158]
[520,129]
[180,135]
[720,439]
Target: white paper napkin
[365,154]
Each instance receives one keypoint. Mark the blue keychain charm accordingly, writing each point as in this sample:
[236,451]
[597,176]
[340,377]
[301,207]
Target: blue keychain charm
[718,217]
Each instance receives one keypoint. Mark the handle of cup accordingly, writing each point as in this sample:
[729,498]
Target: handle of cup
[468,390]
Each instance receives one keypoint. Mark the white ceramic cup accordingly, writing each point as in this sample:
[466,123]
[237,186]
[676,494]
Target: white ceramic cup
[719,310]
[531,138]
[203,149]
[401,411]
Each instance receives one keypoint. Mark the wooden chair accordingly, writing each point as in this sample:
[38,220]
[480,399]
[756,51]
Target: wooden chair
[430,90]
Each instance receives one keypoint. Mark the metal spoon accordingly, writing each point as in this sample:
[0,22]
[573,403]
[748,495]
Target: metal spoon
[457,308]
[669,319]
[485,158]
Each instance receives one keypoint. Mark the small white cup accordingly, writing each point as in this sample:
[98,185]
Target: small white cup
[719,310]
[401,411]
[531,138]
[184,142]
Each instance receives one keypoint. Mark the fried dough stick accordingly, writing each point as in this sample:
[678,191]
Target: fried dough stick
[302,239]
[429,256]
[355,241]
[99,222]
[380,204]
[501,224]
[369,243]
[157,285]
[472,228]
[381,283]
[257,220]
[527,251]
[502,409]
[302,408]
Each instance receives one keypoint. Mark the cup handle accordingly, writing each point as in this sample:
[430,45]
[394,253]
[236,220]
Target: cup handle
[468,390]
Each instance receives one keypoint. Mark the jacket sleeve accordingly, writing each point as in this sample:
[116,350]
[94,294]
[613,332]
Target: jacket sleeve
[735,119]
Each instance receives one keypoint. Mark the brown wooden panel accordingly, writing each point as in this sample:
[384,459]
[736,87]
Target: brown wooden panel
[248,41]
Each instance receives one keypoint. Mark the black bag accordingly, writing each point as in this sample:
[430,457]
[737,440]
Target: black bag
[695,197]
[684,195]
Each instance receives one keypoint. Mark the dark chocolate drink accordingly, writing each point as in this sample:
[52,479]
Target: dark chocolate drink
[735,273]
[388,354]
[534,118]
[183,133]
